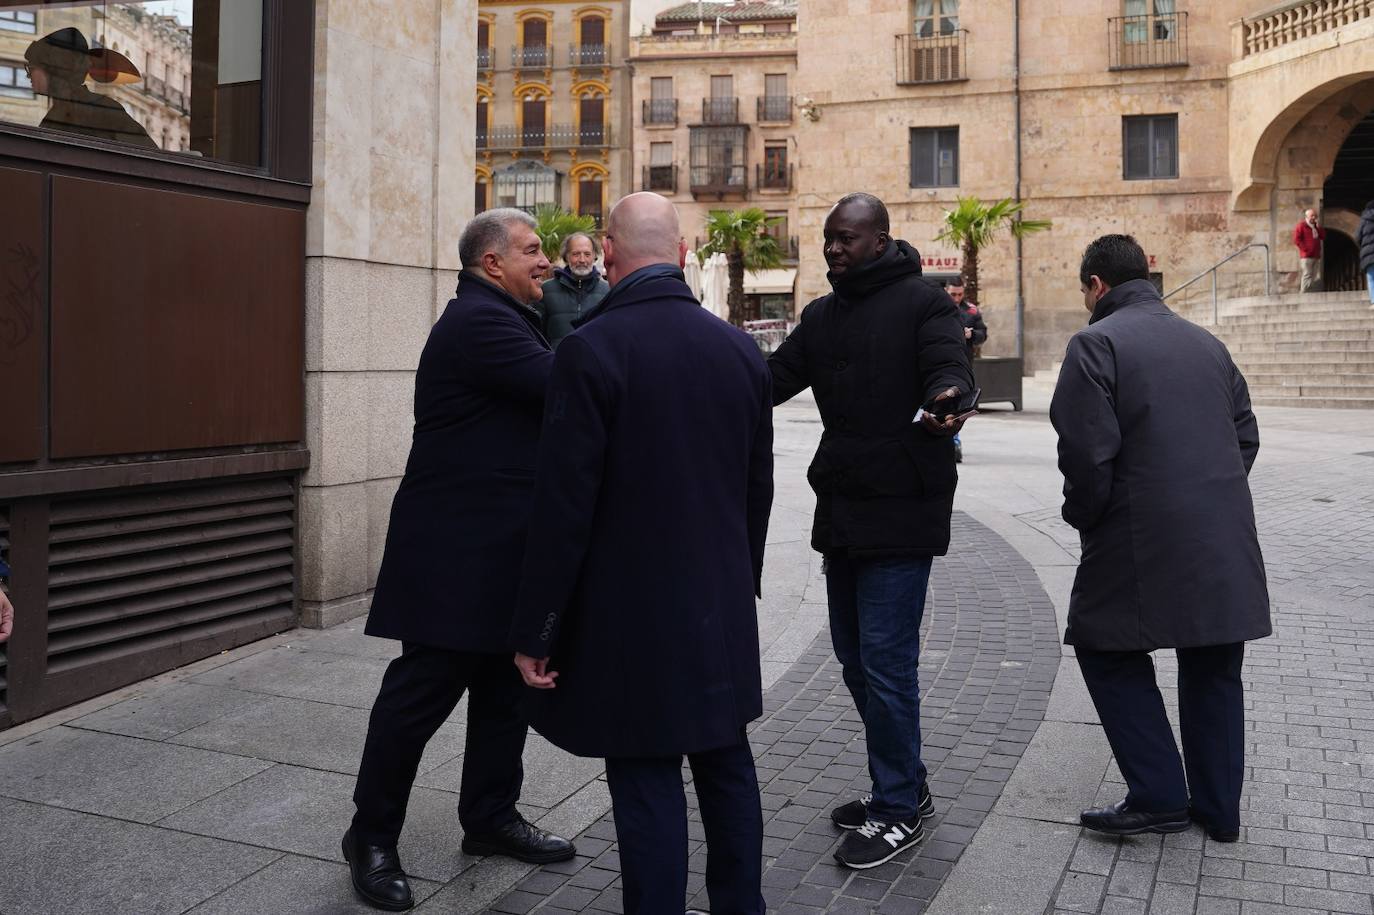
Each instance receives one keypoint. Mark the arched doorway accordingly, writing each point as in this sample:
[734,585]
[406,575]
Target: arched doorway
[1346,190]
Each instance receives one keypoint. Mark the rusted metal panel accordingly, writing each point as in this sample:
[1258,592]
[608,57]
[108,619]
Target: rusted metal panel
[23,277]
[177,321]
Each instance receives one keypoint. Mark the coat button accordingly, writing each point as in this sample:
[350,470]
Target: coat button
[841,365]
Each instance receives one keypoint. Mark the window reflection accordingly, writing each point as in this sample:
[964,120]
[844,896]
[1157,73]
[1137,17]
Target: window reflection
[183,76]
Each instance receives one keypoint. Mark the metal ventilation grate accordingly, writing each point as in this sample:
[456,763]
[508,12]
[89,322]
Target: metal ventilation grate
[134,573]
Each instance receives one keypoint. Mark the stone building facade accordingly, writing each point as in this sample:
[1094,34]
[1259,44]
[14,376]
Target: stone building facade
[716,121]
[1200,128]
[552,104]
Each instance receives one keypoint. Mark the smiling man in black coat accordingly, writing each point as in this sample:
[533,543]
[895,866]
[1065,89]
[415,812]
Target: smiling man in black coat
[876,349]
[449,574]
[636,619]
[1156,442]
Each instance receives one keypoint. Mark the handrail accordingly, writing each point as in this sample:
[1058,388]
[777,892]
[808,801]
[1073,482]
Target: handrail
[1213,271]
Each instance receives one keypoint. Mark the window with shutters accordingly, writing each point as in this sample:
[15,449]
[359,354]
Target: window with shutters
[934,156]
[1149,147]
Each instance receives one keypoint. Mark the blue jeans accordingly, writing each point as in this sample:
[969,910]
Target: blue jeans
[875,624]
[1369,280]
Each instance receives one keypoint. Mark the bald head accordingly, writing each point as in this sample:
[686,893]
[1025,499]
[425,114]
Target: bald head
[642,230]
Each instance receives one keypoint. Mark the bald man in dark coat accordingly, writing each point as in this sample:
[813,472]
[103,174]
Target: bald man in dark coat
[1156,441]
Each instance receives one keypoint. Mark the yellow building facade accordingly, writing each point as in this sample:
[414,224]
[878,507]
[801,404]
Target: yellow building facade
[552,103]
[1200,128]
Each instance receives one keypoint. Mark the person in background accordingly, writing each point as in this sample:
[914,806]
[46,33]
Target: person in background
[574,289]
[1308,236]
[975,335]
[1170,556]
[1364,243]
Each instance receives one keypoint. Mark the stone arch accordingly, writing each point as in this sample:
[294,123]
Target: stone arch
[1268,103]
[590,88]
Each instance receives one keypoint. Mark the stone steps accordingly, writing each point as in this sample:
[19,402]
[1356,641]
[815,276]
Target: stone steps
[1267,376]
[1316,403]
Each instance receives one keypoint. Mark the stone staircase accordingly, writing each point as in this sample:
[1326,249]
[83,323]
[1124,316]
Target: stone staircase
[1313,350]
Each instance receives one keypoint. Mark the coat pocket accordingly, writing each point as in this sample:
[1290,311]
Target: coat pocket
[933,458]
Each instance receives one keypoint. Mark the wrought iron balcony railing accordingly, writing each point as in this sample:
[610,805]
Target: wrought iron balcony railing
[661,178]
[719,179]
[775,108]
[773,178]
[562,136]
[720,110]
[484,56]
[1143,42]
[660,111]
[538,55]
[589,55]
[932,59]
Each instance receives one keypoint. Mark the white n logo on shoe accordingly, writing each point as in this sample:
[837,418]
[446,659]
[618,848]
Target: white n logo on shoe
[899,832]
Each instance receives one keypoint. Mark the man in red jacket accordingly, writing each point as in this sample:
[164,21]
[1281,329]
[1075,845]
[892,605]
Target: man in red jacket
[1308,236]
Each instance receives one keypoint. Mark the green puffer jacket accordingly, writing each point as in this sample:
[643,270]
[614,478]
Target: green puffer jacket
[567,298]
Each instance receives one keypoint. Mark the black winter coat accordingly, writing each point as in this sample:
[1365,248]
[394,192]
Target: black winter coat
[1156,439]
[567,298]
[873,351]
[646,549]
[458,522]
[1364,237]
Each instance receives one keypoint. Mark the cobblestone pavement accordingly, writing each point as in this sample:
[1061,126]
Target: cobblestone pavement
[223,787]
[990,653]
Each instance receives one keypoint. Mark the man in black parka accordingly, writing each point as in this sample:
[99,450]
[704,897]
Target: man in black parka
[1156,441]
[875,350]
[636,620]
[449,573]
[1364,243]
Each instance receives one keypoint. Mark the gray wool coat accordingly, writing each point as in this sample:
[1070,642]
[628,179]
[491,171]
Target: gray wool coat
[1156,442]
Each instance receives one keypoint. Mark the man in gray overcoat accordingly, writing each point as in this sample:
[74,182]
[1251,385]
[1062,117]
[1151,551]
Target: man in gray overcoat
[1156,441]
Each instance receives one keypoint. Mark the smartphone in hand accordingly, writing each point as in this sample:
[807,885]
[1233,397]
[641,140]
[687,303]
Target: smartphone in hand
[960,407]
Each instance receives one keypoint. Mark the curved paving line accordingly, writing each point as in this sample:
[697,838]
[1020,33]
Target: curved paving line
[989,658]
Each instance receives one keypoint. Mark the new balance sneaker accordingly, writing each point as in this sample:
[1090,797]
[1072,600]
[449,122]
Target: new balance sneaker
[855,813]
[874,843]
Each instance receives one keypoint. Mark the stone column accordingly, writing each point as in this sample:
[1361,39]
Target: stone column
[393,172]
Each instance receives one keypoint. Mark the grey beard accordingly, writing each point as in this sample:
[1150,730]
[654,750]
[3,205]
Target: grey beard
[581,272]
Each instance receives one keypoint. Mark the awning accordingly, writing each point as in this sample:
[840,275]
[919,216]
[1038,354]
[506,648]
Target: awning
[770,282]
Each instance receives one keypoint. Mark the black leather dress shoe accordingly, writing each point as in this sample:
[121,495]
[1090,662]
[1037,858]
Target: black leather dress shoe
[1215,833]
[1120,820]
[521,840]
[377,875]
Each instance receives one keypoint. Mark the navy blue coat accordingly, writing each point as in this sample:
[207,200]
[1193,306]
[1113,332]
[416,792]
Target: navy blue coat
[646,548]
[458,522]
[1156,441]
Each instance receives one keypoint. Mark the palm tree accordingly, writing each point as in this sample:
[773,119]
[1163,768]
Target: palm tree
[973,224]
[742,236]
[554,224]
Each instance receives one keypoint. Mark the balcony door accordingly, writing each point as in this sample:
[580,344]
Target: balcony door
[593,121]
[533,112]
[534,37]
[936,17]
[592,44]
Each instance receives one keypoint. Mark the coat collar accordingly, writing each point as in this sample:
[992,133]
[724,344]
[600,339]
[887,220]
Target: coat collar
[1130,294]
[652,283]
[469,280]
[898,262]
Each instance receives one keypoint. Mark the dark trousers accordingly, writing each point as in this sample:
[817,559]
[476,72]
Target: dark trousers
[875,625]
[1211,718]
[419,692]
[650,808]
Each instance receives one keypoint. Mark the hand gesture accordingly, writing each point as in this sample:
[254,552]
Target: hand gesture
[535,672]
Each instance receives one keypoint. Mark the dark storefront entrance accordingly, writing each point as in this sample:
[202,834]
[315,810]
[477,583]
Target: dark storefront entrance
[154,175]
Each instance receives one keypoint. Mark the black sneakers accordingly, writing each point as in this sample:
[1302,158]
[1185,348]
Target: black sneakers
[874,842]
[855,814]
